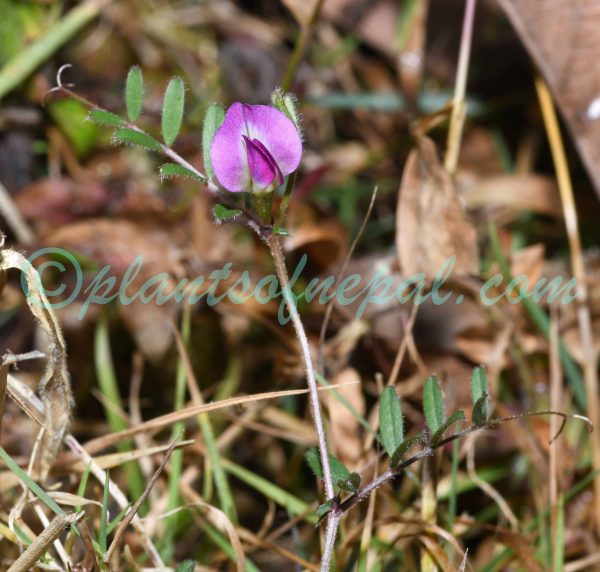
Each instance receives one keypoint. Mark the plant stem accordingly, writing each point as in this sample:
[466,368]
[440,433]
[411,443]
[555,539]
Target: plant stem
[300,47]
[281,270]
[429,450]
[333,522]
[334,516]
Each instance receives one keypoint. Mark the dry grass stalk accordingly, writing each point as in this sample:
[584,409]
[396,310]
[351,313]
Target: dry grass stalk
[590,365]
[55,528]
[120,532]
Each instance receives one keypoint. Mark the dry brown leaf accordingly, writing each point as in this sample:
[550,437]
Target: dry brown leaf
[528,262]
[374,22]
[344,425]
[562,38]
[437,552]
[54,386]
[479,153]
[522,547]
[322,239]
[431,224]
[535,193]
[53,201]
[118,243]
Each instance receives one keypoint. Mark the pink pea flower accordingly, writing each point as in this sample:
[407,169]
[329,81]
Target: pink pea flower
[255,147]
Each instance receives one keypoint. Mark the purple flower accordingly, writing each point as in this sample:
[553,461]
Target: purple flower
[255,147]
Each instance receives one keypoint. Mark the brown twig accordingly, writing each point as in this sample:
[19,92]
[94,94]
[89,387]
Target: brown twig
[329,309]
[120,532]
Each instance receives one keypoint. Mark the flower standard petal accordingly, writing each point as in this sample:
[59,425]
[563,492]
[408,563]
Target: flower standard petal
[228,151]
[255,145]
[277,133]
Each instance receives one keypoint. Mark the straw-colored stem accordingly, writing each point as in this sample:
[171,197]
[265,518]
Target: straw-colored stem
[590,366]
[300,47]
[459,106]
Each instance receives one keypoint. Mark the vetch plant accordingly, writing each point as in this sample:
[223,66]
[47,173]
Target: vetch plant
[252,149]
[252,152]
[433,436]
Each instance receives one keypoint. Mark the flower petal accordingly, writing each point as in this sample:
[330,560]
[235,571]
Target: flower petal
[277,133]
[255,142]
[228,151]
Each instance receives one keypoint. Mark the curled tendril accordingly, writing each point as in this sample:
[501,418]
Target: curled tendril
[565,417]
[59,73]
[60,86]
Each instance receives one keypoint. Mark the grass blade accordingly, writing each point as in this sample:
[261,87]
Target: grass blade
[28,60]
[107,381]
[104,515]
[177,430]
[558,554]
[38,491]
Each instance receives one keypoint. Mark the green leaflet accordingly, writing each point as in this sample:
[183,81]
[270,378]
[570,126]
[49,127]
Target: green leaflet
[104,118]
[133,137]
[456,417]
[134,93]
[172,113]
[433,404]
[391,424]
[170,170]
[339,472]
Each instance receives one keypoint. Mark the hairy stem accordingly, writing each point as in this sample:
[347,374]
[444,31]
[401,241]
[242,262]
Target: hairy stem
[282,275]
[429,450]
[333,522]
[334,516]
